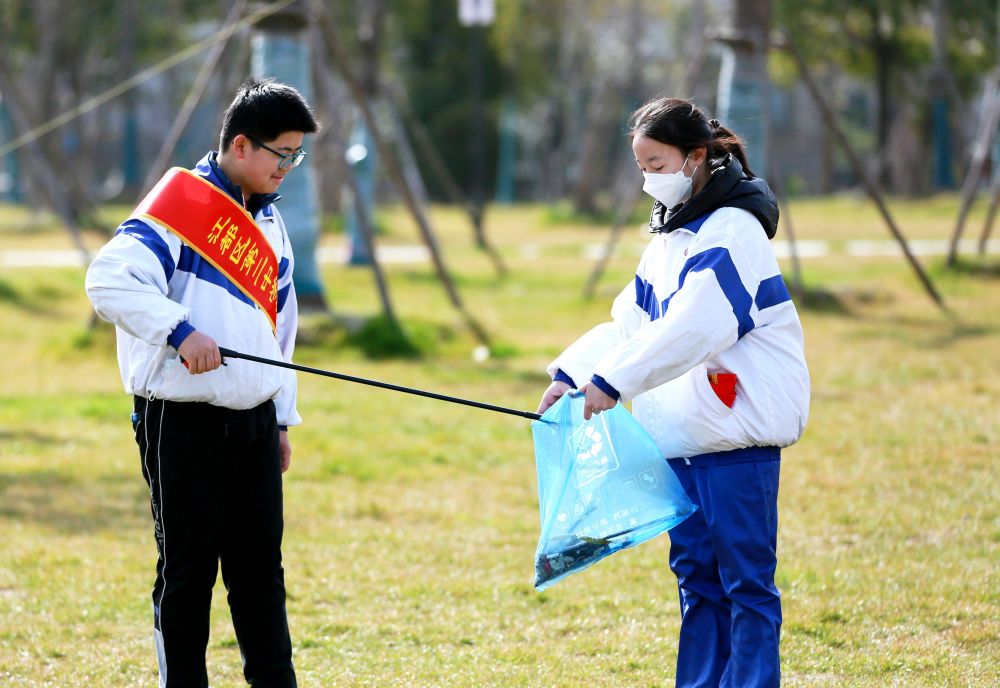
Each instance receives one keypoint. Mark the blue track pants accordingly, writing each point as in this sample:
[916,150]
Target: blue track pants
[724,557]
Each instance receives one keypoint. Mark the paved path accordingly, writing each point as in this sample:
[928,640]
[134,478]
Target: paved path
[420,254]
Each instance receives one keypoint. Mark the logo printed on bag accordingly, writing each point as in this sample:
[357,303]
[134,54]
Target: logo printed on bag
[595,456]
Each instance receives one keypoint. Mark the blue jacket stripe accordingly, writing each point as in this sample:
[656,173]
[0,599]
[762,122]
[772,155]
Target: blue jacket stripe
[147,236]
[282,267]
[605,387]
[203,270]
[772,292]
[561,376]
[718,261]
[694,225]
[645,298]
[721,263]
[283,295]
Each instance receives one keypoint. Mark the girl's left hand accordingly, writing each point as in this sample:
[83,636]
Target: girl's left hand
[595,400]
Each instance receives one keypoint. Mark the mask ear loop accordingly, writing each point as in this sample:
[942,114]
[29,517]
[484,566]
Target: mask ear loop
[694,171]
[690,192]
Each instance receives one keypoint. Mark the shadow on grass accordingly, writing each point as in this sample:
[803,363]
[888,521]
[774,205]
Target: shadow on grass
[974,268]
[42,301]
[72,506]
[820,301]
[930,332]
[960,332]
[376,337]
[26,436]
[15,298]
[98,335]
[841,300]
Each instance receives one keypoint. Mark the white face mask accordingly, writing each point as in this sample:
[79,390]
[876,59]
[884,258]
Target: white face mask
[669,189]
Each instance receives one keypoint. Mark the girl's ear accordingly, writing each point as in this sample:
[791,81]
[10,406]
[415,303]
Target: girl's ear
[698,156]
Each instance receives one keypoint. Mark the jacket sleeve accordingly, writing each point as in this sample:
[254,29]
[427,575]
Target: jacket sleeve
[578,360]
[288,323]
[127,282]
[708,313]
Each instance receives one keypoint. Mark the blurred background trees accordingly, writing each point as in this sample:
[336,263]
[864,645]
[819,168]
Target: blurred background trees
[559,77]
[916,70]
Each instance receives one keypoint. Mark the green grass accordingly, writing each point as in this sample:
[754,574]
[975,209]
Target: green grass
[411,524]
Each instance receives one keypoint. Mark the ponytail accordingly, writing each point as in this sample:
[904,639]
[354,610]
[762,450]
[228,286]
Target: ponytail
[726,141]
[681,123]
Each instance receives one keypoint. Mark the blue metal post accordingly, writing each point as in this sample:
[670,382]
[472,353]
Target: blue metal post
[362,156]
[508,151]
[944,177]
[9,187]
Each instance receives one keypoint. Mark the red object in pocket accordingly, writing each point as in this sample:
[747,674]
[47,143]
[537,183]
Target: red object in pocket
[724,386]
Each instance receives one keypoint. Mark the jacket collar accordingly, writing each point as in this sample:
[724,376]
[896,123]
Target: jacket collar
[208,168]
[728,186]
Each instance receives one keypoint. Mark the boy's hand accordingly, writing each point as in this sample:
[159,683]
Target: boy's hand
[284,450]
[200,352]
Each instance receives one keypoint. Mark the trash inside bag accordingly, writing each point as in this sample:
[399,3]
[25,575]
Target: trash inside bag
[603,486]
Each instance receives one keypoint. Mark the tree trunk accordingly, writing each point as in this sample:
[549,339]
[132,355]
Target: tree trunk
[883,53]
[593,163]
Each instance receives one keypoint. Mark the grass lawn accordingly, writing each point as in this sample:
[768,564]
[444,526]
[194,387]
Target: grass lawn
[411,524]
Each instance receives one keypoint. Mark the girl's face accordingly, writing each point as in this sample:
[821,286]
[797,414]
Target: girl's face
[661,158]
[657,158]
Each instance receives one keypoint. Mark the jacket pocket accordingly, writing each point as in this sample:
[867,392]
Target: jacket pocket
[691,418]
[708,400]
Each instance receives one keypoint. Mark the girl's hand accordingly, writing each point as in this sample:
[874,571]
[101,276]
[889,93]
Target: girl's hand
[552,395]
[595,400]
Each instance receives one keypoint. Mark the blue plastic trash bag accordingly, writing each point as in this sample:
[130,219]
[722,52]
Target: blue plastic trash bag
[602,486]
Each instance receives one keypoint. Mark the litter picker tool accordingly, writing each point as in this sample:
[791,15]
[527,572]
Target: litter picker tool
[229,353]
[602,483]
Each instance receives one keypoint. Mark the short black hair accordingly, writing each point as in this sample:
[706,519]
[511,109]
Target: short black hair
[264,109]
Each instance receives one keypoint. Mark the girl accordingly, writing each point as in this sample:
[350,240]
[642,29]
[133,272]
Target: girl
[708,346]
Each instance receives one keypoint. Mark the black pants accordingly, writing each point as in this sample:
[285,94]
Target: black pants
[214,479]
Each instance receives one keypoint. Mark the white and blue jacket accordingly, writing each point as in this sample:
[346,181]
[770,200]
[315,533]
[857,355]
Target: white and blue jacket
[156,291]
[707,297]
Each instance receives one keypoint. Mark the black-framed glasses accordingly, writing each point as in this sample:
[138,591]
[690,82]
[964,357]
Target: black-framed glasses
[288,160]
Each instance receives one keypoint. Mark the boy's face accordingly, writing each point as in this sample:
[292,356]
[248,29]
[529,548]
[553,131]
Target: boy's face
[257,169]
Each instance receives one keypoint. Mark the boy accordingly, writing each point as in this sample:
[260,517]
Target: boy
[205,261]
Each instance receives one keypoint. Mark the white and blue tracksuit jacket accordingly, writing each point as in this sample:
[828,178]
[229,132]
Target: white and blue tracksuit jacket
[156,290]
[707,297]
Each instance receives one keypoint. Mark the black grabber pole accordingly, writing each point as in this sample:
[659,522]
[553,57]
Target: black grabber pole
[229,353]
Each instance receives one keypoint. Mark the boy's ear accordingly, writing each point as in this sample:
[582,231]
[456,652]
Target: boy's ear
[239,146]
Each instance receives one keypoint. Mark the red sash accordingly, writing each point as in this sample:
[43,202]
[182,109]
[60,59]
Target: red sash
[202,215]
